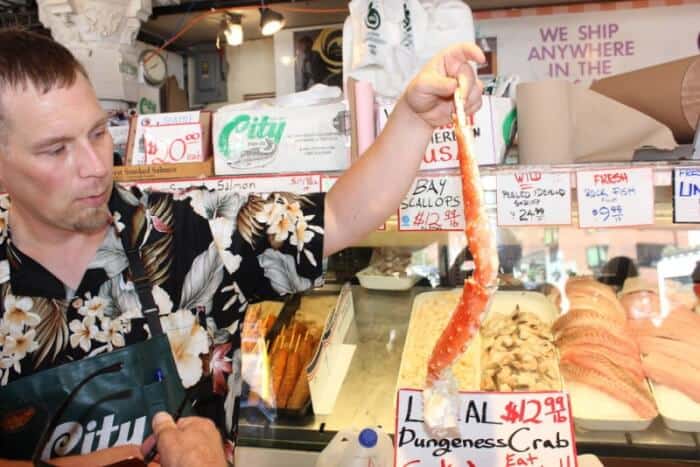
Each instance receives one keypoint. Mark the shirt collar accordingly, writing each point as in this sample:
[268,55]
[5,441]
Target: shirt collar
[29,278]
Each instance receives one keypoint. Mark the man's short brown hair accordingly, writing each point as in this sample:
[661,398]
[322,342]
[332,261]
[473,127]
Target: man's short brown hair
[28,58]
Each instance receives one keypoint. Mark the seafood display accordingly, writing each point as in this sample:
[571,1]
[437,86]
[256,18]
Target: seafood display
[275,370]
[518,354]
[291,353]
[257,323]
[669,349]
[598,350]
[390,262]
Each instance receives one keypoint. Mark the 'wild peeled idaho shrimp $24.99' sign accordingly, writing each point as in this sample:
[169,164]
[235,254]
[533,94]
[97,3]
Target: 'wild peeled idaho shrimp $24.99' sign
[531,197]
[494,430]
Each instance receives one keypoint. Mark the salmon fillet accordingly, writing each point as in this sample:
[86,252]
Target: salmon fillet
[600,337]
[688,353]
[673,373]
[620,389]
[588,286]
[609,307]
[579,317]
[632,365]
[677,325]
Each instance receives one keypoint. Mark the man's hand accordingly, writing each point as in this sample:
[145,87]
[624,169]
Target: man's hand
[430,93]
[190,441]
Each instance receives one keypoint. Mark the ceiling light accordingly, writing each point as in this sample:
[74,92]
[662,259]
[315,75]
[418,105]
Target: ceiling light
[270,21]
[233,29]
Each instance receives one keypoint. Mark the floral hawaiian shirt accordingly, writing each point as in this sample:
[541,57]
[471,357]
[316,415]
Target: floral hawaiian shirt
[208,255]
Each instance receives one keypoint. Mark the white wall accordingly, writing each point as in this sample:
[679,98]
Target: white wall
[251,69]
[174,61]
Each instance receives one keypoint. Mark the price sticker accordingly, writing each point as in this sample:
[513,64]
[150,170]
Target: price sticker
[493,429]
[260,185]
[173,143]
[533,198]
[434,202]
[686,195]
[615,197]
[175,121]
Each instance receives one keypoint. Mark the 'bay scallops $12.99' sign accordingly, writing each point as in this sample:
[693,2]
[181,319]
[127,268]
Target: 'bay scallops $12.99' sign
[493,430]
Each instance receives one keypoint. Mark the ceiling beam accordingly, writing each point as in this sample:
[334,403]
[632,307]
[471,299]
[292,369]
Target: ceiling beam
[203,5]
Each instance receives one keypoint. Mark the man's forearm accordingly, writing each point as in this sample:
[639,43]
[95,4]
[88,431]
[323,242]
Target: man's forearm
[373,187]
[8,463]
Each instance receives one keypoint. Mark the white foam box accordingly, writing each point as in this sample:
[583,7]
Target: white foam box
[281,140]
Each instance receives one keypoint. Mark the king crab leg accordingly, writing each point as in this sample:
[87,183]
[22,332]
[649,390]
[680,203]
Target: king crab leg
[477,290]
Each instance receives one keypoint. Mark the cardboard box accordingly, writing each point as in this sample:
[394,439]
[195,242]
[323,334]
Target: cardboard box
[166,171]
[281,140]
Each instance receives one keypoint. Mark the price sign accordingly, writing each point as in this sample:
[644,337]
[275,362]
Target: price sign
[176,121]
[615,197]
[173,143]
[299,184]
[531,197]
[434,202]
[494,430]
[686,195]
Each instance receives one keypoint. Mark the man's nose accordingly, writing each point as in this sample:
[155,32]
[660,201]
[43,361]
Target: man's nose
[92,163]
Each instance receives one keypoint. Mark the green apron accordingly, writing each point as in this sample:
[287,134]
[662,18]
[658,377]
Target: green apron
[124,390]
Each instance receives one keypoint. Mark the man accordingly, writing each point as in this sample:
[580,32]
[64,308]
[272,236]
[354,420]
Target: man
[64,274]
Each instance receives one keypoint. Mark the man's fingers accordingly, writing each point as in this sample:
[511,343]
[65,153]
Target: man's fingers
[196,422]
[469,52]
[460,56]
[148,445]
[162,421]
[473,100]
[437,85]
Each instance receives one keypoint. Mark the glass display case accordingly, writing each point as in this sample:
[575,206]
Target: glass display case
[655,262]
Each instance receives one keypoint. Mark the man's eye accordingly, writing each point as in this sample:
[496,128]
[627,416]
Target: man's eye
[56,150]
[98,133]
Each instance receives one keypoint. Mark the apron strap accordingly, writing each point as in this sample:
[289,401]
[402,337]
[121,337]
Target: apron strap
[143,288]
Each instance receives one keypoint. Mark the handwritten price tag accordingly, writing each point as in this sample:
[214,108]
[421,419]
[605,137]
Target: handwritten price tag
[174,120]
[533,198]
[615,197]
[173,143]
[299,184]
[495,430]
[434,202]
[686,195]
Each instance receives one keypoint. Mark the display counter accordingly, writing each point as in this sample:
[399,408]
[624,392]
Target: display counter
[368,393]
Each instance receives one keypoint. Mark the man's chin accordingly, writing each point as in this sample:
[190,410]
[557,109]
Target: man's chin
[92,220]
